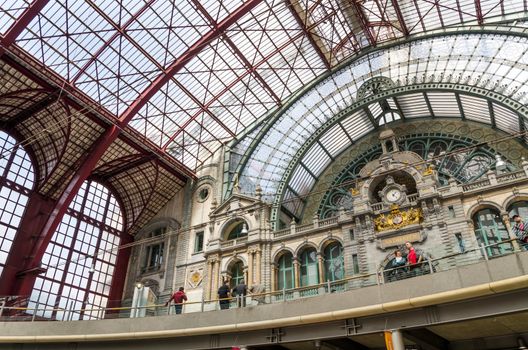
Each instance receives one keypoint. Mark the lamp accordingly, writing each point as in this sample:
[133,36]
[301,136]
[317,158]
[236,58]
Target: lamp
[139,285]
[244,229]
[500,165]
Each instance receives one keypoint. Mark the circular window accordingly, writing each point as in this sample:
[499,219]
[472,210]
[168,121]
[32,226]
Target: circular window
[203,194]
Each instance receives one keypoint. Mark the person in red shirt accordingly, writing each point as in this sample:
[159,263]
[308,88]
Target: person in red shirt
[411,255]
[414,260]
[179,297]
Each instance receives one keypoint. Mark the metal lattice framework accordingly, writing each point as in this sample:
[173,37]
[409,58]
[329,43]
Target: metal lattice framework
[190,76]
[463,167]
[139,95]
[466,75]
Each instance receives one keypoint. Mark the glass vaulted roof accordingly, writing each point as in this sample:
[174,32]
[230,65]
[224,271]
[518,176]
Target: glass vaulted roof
[191,75]
[495,63]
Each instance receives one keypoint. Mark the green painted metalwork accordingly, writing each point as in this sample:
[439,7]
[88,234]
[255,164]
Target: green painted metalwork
[464,166]
[266,123]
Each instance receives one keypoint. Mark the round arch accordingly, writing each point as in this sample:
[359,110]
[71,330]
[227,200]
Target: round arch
[505,95]
[229,227]
[521,196]
[280,252]
[471,211]
[302,247]
[327,241]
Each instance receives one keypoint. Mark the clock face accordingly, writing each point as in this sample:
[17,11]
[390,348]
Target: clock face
[393,195]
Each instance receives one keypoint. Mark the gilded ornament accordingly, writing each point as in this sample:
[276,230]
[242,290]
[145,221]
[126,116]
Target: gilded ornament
[397,218]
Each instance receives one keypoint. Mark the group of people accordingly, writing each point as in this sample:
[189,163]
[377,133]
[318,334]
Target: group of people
[401,267]
[408,265]
[225,295]
[520,229]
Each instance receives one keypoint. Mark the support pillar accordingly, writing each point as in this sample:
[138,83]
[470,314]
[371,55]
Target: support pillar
[397,340]
[210,274]
[258,266]
[216,273]
[249,280]
[320,265]
[515,242]
[273,277]
[297,272]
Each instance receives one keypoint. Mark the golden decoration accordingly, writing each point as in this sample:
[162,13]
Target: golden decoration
[354,191]
[397,218]
[428,171]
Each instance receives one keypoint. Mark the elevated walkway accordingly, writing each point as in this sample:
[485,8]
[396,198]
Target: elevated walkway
[490,287]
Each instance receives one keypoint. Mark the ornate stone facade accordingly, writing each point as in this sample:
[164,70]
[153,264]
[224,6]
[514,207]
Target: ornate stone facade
[397,197]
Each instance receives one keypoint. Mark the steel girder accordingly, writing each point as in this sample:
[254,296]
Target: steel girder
[112,132]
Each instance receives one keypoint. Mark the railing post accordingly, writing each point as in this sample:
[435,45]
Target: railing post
[283,294]
[35,312]
[484,251]
[430,266]
[202,306]
[2,307]
[70,311]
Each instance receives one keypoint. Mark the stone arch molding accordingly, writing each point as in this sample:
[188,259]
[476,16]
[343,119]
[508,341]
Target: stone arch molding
[280,252]
[228,264]
[327,241]
[510,149]
[225,225]
[483,205]
[172,224]
[303,246]
[521,196]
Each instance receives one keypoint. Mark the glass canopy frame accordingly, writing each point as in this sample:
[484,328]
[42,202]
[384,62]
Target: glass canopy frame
[223,64]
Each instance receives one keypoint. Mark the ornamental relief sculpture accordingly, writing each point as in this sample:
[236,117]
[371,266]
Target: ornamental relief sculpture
[397,218]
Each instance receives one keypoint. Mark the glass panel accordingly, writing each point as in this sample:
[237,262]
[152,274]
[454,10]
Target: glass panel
[490,231]
[285,278]
[81,257]
[334,262]
[309,268]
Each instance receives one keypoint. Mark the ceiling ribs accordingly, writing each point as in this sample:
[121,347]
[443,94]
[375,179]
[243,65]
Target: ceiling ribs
[110,135]
[301,17]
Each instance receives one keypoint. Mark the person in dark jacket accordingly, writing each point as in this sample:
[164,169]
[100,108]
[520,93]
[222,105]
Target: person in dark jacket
[398,266]
[240,291]
[179,297]
[223,295]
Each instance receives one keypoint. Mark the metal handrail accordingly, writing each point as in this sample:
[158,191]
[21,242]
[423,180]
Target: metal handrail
[377,275]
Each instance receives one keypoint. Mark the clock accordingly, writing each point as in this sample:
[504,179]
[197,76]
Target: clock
[393,195]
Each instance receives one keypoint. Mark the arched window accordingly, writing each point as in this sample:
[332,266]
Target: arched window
[490,231]
[285,278]
[236,229]
[16,182]
[309,268]
[334,263]
[154,251]
[237,273]
[519,208]
[80,258]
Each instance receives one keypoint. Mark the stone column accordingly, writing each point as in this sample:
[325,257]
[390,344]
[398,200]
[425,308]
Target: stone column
[506,220]
[297,272]
[210,273]
[249,281]
[216,272]
[320,265]
[273,277]
[258,266]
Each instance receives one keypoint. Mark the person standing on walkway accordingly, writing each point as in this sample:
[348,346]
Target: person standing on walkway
[179,297]
[223,296]
[240,292]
